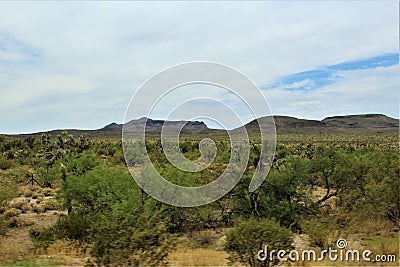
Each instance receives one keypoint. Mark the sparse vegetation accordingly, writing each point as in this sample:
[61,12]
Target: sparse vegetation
[68,190]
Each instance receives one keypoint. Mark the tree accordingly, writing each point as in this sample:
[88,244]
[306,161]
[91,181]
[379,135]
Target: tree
[337,171]
[284,195]
[106,213]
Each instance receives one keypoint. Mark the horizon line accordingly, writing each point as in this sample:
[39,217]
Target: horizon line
[101,127]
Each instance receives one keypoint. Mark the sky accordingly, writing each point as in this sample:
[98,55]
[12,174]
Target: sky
[78,64]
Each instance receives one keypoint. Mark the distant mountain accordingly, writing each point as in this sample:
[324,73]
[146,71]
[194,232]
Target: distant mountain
[366,121]
[155,126]
[112,126]
[286,124]
[373,123]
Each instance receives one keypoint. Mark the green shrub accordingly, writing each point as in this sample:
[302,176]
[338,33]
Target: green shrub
[285,195]
[42,237]
[82,163]
[250,236]
[6,164]
[107,214]
[134,239]
[322,233]
[8,190]
[75,226]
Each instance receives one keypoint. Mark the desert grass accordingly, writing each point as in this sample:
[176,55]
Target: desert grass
[34,263]
[197,257]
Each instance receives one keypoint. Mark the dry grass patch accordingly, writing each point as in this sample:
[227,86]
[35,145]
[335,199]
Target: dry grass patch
[48,192]
[38,208]
[12,213]
[197,257]
[376,226]
[27,192]
[17,203]
[205,238]
[50,204]
[66,253]
[20,221]
[383,245]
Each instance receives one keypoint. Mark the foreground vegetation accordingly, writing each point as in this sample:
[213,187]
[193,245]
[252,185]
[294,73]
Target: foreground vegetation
[320,187]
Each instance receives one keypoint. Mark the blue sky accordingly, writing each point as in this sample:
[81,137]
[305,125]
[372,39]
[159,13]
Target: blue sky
[77,64]
[325,75]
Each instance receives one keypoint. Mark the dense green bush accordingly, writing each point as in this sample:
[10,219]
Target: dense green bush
[130,237]
[6,164]
[285,195]
[248,237]
[81,163]
[106,212]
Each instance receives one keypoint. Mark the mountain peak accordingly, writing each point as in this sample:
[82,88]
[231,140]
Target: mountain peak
[363,123]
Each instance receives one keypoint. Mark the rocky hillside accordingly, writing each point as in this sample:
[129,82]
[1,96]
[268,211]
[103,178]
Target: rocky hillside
[373,123]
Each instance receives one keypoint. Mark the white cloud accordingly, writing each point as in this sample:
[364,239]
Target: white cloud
[357,92]
[31,90]
[306,84]
[96,54]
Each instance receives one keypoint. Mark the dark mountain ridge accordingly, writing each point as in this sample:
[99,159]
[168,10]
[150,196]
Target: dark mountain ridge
[363,123]
[374,123]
